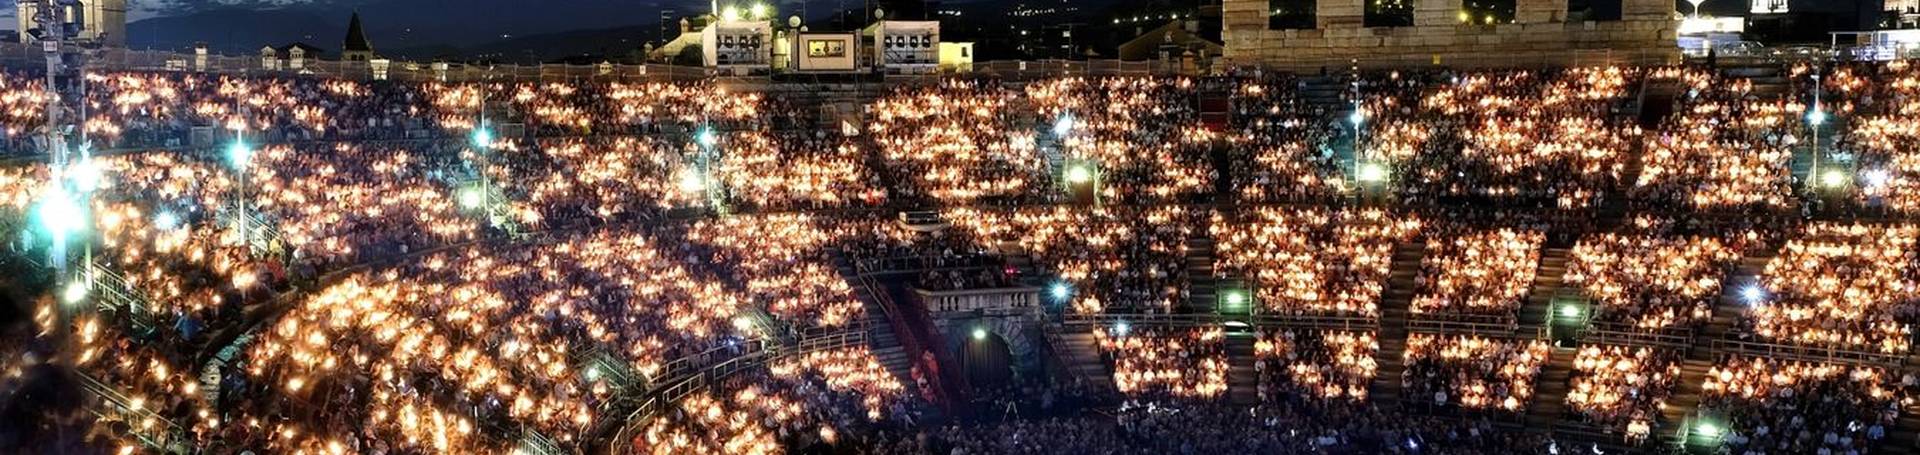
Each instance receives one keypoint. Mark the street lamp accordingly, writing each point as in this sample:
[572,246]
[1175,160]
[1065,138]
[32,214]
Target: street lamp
[1373,173]
[166,221]
[74,292]
[482,137]
[238,155]
[1876,178]
[470,198]
[1696,7]
[1834,178]
[1753,294]
[60,214]
[1709,432]
[691,182]
[1079,174]
[706,138]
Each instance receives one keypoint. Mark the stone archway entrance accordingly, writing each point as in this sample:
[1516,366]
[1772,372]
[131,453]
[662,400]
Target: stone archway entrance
[987,360]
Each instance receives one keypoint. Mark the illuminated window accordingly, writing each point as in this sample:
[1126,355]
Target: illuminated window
[1290,14]
[821,48]
[1389,13]
[1487,12]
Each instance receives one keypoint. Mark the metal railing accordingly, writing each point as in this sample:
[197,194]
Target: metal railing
[1613,333]
[1809,354]
[143,424]
[680,388]
[113,294]
[1487,326]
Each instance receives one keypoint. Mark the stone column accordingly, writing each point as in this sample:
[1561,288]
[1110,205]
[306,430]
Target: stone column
[1539,11]
[1337,14]
[1436,13]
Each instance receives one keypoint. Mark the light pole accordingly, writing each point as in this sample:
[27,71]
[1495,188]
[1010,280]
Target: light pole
[1358,119]
[1696,7]
[702,179]
[1815,118]
[240,157]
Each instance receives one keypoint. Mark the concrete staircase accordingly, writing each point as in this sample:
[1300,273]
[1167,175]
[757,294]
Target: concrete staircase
[882,339]
[1549,404]
[1203,291]
[1902,438]
[1243,383]
[1080,353]
[1537,312]
[1394,303]
[1327,92]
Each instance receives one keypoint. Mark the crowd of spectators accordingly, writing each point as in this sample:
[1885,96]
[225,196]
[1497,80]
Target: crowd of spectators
[1282,147]
[781,261]
[958,142]
[1622,389]
[1471,372]
[1841,285]
[1650,283]
[1141,136]
[1206,428]
[1786,406]
[1477,273]
[1326,365]
[808,404]
[472,340]
[1112,259]
[1883,132]
[1542,137]
[1156,363]
[1726,148]
[1311,261]
[432,354]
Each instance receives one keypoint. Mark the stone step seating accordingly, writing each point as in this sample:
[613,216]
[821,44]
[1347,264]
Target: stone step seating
[1549,404]
[882,339]
[1201,295]
[1079,351]
[1548,279]
[1243,382]
[1394,302]
[1328,92]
